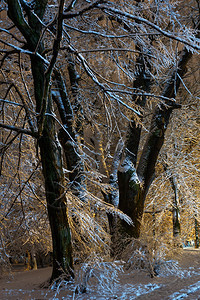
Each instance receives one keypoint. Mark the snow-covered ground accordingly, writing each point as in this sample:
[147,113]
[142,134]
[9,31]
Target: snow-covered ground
[180,281]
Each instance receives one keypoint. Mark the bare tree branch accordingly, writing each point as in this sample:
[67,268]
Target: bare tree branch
[20,130]
[10,102]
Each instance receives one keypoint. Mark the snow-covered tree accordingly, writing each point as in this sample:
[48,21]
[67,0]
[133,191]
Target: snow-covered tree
[113,69]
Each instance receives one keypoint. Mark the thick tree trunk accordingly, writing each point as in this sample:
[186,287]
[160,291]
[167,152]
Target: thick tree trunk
[52,168]
[34,261]
[49,146]
[134,183]
[131,191]
[50,150]
[28,261]
[130,198]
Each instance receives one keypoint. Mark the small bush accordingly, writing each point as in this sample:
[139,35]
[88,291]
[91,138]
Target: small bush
[98,274]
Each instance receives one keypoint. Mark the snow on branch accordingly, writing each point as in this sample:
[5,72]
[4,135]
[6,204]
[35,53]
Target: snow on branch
[21,50]
[192,42]
[110,36]
[11,103]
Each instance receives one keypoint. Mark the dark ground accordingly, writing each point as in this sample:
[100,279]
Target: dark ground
[131,285]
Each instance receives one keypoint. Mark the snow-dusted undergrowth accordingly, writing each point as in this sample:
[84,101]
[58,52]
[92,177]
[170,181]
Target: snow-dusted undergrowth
[172,268]
[99,279]
[103,280]
[99,275]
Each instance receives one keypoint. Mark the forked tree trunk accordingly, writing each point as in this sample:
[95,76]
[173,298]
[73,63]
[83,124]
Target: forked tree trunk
[131,191]
[134,182]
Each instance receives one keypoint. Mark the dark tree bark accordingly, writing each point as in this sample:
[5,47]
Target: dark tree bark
[130,191]
[56,200]
[50,149]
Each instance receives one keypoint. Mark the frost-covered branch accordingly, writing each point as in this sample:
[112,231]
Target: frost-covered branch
[21,50]
[192,41]
[111,36]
